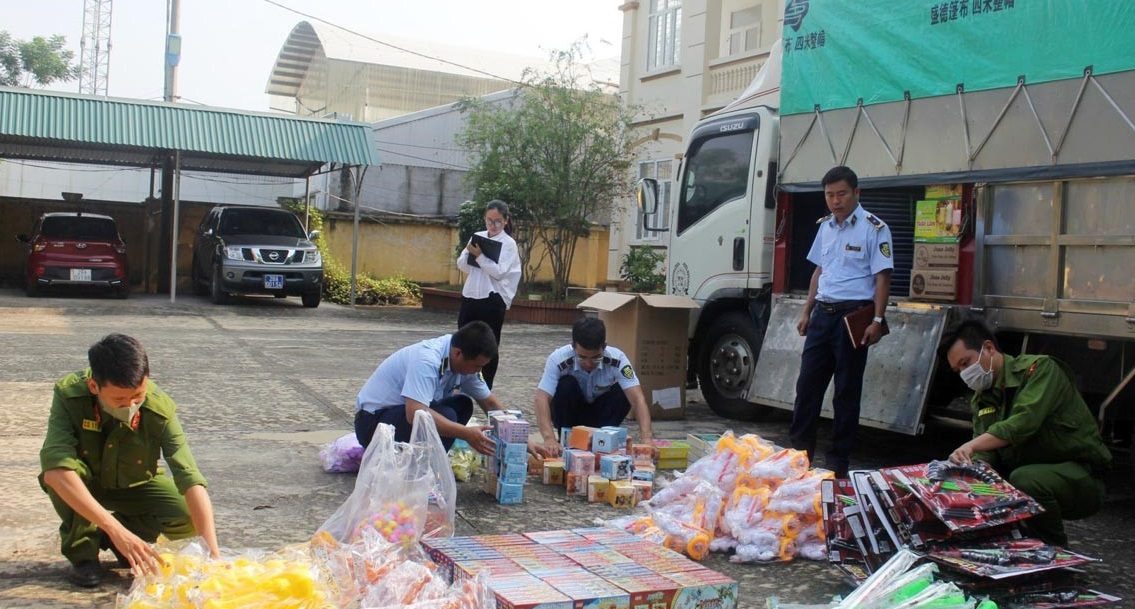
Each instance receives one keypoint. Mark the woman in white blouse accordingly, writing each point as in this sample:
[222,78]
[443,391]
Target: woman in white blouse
[491,284]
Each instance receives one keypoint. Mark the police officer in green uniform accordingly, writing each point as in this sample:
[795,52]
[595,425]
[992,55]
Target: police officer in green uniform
[1030,423]
[107,428]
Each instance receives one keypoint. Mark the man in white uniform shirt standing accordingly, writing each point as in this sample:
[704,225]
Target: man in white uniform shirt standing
[588,383]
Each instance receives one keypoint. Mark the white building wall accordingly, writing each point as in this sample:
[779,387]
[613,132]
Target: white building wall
[673,99]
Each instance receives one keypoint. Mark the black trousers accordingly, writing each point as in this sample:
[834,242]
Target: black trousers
[457,408]
[828,351]
[570,407]
[490,310]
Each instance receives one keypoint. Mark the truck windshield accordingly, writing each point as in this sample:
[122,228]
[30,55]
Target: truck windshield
[716,172]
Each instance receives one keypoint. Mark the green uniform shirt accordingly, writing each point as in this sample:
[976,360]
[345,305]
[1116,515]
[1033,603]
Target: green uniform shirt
[108,454]
[1034,406]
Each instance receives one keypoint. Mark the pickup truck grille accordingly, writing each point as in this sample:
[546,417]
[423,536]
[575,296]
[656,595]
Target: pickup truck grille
[274,256]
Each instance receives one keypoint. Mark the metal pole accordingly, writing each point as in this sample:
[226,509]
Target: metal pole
[176,223]
[355,253]
[173,48]
[306,204]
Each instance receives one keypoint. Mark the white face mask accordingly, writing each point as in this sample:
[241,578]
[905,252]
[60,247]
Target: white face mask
[975,376]
[124,413]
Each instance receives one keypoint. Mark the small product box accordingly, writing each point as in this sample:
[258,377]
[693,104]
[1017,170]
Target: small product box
[597,488]
[513,430]
[672,464]
[577,484]
[643,489]
[554,471]
[672,449]
[580,437]
[509,494]
[621,494]
[643,473]
[512,473]
[642,453]
[489,482]
[615,467]
[701,444]
[605,440]
[621,439]
[582,462]
[512,452]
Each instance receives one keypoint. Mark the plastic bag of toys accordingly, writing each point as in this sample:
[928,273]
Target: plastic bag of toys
[405,491]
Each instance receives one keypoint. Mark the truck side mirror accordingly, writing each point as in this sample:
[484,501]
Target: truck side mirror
[313,235]
[647,195]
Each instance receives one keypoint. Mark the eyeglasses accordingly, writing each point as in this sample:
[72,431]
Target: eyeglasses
[594,359]
[491,222]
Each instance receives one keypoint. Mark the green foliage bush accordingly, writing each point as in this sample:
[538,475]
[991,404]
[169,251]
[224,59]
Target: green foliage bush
[640,267]
[397,290]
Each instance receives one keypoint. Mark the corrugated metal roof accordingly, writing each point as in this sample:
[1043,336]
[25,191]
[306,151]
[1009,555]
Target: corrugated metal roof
[46,125]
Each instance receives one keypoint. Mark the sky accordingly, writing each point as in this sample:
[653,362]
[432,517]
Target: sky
[229,46]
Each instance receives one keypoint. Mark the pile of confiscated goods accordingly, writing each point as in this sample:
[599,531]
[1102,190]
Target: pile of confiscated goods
[966,519]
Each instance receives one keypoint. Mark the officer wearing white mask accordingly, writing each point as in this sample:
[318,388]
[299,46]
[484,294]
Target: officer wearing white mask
[1031,424]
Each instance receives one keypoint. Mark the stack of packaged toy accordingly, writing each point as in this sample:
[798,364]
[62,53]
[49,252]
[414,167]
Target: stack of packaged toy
[507,469]
[747,496]
[965,518]
[598,567]
[700,445]
[600,464]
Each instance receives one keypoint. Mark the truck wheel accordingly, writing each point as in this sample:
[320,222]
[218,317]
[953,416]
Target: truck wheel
[220,296]
[310,299]
[727,363]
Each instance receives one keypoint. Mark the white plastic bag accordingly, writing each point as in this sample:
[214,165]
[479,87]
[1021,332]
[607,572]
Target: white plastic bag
[405,491]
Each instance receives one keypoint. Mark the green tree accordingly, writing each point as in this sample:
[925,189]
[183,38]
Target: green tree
[557,153]
[39,61]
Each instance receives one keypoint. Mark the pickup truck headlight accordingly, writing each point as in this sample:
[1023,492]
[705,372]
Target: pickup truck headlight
[312,257]
[234,252]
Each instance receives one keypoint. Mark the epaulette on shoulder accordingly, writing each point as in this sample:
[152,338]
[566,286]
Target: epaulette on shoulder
[824,219]
[877,223]
[567,363]
[610,361]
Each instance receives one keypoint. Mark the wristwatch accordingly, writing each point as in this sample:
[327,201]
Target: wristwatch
[877,319]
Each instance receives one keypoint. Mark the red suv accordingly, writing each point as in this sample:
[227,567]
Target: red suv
[75,249]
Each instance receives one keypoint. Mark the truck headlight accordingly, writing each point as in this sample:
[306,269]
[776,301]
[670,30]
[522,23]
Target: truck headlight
[234,252]
[312,256]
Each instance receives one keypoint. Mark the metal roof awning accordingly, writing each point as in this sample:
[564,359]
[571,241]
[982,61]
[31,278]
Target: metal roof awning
[51,126]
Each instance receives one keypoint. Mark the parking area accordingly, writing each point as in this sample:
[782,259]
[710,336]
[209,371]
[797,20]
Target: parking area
[261,384]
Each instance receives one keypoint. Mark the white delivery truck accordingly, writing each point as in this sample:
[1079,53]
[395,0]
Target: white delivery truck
[1012,122]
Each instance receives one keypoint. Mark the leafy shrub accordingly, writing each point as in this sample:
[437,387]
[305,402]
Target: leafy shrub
[640,267]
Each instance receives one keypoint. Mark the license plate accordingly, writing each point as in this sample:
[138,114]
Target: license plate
[273,282]
[80,274]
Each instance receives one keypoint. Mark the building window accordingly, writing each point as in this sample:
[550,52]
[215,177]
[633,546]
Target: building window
[663,171]
[665,38]
[744,31]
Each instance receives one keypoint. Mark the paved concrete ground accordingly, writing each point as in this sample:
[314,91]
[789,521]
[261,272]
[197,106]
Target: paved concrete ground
[261,384]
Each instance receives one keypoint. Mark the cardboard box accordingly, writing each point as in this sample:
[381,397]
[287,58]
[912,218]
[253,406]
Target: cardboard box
[652,329]
[938,220]
[936,255]
[554,471]
[934,284]
[597,487]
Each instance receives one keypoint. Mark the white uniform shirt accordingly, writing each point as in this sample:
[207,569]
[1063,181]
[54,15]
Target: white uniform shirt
[501,276]
[421,373]
[613,368]
[850,256]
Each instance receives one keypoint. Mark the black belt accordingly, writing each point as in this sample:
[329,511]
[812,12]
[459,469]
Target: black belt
[840,306]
